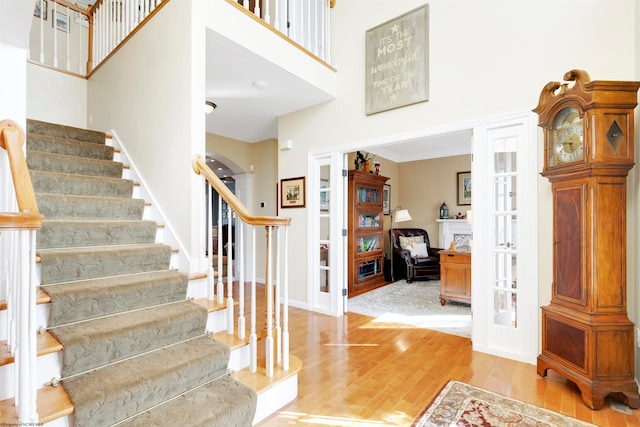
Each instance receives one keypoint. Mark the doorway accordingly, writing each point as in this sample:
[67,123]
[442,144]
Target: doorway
[489,289]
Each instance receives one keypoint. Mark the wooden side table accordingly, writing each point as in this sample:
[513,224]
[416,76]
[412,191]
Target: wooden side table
[455,276]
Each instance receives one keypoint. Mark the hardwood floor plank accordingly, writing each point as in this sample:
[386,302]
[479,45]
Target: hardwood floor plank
[359,372]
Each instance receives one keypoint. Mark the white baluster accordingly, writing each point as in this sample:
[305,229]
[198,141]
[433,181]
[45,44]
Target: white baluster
[307,40]
[285,304]
[69,39]
[33,350]
[293,22]
[253,337]
[327,32]
[41,31]
[267,15]
[277,300]
[256,8]
[240,259]
[230,251]
[269,288]
[209,225]
[220,289]
[55,35]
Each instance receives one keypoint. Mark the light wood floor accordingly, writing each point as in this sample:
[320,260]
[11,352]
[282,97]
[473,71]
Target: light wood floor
[358,372]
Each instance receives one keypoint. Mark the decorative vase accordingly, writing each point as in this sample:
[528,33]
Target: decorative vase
[367,166]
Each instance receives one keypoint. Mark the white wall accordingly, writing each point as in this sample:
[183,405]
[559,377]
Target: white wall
[486,58]
[56,97]
[151,93]
[13,102]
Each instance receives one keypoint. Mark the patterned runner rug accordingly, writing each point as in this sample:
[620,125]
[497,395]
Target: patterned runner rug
[463,405]
[416,304]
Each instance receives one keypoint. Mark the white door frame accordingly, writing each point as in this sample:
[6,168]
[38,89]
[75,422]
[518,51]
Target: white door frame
[527,220]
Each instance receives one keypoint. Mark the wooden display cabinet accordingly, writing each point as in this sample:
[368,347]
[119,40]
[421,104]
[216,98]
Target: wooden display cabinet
[455,280]
[366,239]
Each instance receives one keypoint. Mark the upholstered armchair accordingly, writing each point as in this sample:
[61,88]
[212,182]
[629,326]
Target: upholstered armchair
[413,256]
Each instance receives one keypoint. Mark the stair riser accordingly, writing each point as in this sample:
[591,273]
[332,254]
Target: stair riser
[80,185]
[69,148]
[73,165]
[81,207]
[90,265]
[58,235]
[61,131]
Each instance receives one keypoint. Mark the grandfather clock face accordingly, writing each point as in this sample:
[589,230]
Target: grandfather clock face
[566,137]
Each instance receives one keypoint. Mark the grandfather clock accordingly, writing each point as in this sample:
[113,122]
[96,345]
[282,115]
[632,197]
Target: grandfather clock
[588,145]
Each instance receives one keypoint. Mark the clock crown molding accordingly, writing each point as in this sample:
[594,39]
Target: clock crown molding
[585,93]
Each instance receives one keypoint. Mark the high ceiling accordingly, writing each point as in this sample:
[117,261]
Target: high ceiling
[251,92]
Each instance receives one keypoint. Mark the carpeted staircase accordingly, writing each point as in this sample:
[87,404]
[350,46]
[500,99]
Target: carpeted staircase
[135,349]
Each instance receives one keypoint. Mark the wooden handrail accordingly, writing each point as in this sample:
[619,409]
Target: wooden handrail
[12,139]
[71,6]
[20,221]
[200,167]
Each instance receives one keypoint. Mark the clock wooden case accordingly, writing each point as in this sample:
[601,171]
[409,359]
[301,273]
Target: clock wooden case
[588,144]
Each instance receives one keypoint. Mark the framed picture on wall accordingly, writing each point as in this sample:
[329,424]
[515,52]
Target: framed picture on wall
[61,22]
[40,10]
[386,199]
[464,188]
[292,193]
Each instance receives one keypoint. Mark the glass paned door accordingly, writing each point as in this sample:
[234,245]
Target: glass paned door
[324,199]
[504,291]
[326,273]
[505,285]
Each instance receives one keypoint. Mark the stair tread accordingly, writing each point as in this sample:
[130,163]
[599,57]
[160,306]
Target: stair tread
[47,344]
[260,382]
[46,182]
[224,401]
[90,298]
[52,403]
[41,298]
[41,160]
[101,248]
[58,233]
[97,342]
[211,306]
[70,132]
[185,365]
[72,147]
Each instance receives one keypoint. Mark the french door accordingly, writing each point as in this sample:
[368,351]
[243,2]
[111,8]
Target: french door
[326,204]
[504,257]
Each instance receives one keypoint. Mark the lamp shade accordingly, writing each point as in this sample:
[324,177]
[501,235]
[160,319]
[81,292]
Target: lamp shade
[402,215]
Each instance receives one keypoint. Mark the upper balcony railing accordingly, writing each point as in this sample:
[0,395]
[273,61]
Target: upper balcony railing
[70,38]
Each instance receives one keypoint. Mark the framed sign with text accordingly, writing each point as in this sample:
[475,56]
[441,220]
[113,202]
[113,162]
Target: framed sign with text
[396,62]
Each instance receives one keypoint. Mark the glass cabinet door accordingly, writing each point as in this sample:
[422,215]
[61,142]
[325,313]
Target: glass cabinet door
[369,243]
[368,219]
[369,195]
[368,268]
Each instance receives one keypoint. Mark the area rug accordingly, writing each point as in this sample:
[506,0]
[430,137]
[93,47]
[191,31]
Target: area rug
[415,304]
[460,404]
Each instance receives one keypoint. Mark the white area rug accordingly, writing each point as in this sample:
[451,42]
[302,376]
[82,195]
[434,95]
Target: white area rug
[416,304]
